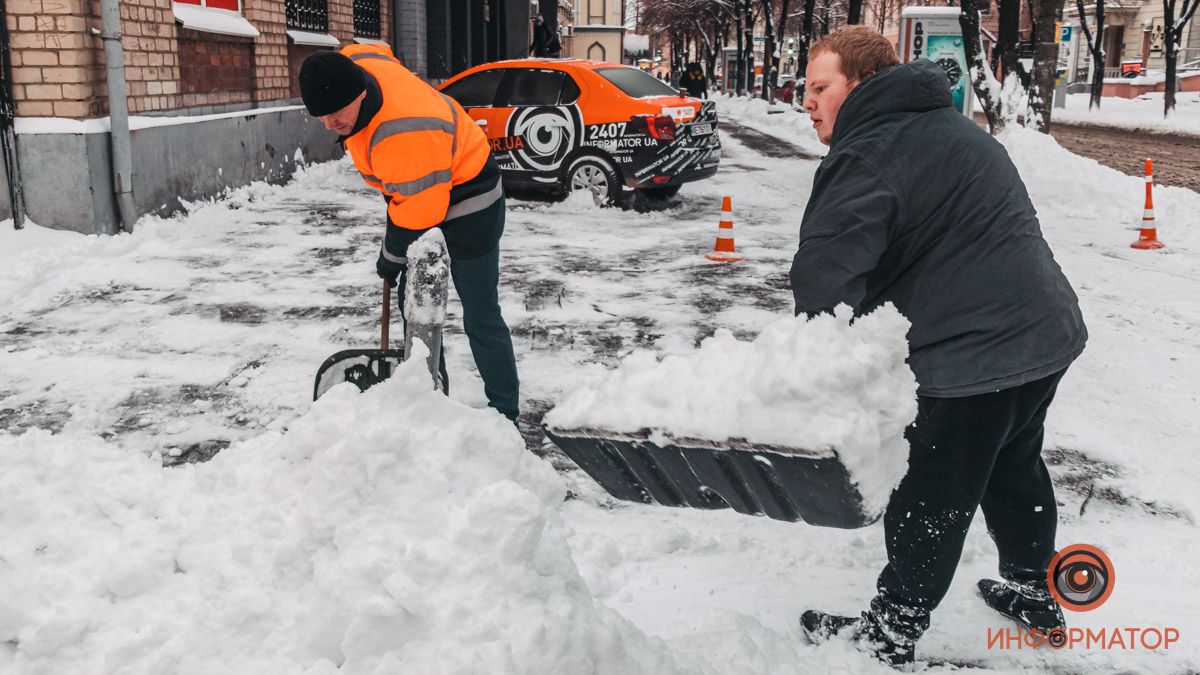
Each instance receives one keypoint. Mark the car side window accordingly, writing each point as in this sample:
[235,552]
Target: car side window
[570,91]
[526,86]
[476,91]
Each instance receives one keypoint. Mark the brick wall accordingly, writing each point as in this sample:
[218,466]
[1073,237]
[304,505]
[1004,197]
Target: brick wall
[271,79]
[148,36]
[296,56]
[53,57]
[58,65]
[215,66]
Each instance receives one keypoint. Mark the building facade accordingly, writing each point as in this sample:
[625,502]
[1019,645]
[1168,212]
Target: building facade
[438,38]
[212,90]
[1133,34]
[599,32]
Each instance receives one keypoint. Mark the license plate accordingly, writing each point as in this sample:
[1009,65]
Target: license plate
[702,129]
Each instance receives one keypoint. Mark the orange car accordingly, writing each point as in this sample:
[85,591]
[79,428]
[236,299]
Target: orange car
[570,124]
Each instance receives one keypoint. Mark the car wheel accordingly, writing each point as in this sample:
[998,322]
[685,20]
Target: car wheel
[661,192]
[596,175]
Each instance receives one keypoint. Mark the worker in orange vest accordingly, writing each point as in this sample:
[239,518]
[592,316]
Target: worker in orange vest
[434,166]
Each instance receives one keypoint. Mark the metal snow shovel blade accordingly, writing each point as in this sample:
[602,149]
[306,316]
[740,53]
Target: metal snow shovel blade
[362,367]
[781,483]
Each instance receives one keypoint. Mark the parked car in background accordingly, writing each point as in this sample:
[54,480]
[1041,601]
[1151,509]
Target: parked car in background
[572,124]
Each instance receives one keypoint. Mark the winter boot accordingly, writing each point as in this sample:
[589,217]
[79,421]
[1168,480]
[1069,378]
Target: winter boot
[864,631]
[1031,606]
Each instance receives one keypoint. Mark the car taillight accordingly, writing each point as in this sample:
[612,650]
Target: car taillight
[661,127]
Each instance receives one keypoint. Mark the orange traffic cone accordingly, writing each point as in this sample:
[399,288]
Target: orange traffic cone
[723,250]
[1148,238]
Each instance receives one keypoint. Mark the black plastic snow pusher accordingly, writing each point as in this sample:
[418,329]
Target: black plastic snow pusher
[782,483]
[362,367]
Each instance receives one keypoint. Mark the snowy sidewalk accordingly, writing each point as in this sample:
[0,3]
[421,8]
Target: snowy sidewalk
[205,331]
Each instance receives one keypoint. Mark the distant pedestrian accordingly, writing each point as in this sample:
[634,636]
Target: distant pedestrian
[694,81]
[545,41]
[916,206]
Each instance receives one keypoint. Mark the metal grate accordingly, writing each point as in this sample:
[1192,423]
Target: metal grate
[309,15]
[366,18]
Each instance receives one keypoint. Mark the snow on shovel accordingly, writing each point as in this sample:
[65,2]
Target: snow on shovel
[804,423]
[425,303]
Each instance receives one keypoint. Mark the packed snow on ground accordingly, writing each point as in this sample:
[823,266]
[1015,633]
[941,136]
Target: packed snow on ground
[396,531]
[203,332]
[808,385]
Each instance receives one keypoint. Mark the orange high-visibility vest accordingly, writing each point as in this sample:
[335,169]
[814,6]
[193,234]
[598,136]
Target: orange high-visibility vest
[418,146]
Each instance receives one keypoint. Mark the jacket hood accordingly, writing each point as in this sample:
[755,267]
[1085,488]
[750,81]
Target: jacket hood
[914,87]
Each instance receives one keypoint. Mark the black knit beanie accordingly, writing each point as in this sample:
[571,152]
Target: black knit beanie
[329,81]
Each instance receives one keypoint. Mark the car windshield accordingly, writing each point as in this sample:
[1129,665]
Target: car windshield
[636,83]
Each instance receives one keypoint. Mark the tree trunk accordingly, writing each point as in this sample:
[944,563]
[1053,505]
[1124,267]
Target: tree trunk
[1009,35]
[1173,37]
[802,44]
[748,40]
[983,81]
[1095,45]
[1045,64]
[854,12]
[782,30]
[1170,55]
[769,62]
[739,77]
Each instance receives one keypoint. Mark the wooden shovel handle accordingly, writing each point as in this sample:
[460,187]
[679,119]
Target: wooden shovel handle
[386,319]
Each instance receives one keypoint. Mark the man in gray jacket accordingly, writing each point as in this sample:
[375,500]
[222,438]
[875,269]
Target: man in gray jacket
[917,206]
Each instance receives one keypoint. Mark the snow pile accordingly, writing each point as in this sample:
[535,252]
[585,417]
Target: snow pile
[1107,197]
[777,120]
[393,531]
[817,384]
[1144,112]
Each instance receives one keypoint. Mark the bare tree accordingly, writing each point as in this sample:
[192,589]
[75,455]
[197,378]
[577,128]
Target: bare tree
[1004,52]
[1172,39]
[698,27]
[1095,45]
[882,12]
[1045,63]
[805,41]
[854,12]
[769,64]
[983,81]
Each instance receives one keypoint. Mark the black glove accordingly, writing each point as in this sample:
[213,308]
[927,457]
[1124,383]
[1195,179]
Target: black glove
[388,270]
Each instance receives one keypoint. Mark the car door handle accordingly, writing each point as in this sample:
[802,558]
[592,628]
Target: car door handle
[482,123]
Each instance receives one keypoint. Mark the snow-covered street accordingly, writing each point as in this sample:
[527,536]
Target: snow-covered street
[400,532]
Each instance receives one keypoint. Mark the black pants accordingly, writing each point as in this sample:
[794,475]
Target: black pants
[975,451]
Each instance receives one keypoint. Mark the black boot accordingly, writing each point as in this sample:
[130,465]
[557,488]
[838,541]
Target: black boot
[864,631]
[1031,606]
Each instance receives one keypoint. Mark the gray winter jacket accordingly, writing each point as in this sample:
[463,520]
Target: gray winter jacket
[916,205]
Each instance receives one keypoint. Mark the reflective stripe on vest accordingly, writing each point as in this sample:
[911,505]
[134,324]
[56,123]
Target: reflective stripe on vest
[412,187]
[475,204]
[381,57]
[406,125]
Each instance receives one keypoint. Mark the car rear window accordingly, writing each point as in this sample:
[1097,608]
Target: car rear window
[636,83]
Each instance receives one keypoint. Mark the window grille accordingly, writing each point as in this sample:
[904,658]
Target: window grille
[307,15]
[366,18]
